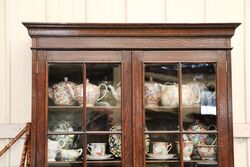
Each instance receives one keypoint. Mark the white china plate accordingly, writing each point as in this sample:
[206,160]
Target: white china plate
[104,157]
[168,156]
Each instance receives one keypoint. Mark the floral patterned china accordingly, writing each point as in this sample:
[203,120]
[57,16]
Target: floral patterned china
[207,151]
[92,93]
[103,157]
[115,146]
[62,93]
[188,147]
[166,156]
[200,138]
[152,93]
[64,126]
[170,95]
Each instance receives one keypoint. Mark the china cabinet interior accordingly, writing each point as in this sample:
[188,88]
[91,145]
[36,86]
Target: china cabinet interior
[155,95]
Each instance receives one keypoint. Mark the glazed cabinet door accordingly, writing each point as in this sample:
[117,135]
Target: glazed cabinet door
[180,102]
[84,109]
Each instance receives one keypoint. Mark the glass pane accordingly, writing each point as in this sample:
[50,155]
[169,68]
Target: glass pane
[200,153]
[161,147]
[199,96]
[106,147]
[165,164]
[103,97]
[65,150]
[103,85]
[161,97]
[63,79]
[201,164]
[104,165]
[103,119]
[64,112]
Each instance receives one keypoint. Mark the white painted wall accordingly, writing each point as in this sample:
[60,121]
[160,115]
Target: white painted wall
[15,54]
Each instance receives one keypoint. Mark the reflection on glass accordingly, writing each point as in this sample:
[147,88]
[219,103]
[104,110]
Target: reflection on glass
[103,85]
[161,147]
[103,119]
[161,96]
[104,147]
[65,149]
[199,96]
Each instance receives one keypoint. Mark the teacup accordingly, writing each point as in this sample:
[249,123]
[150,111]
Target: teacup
[207,151]
[97,149]
[161,148]
[70,155]
[188,147]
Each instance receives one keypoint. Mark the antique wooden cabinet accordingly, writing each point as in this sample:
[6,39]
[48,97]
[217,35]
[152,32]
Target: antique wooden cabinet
[131,95]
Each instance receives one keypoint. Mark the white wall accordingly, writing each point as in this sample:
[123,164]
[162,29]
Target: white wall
[15,54]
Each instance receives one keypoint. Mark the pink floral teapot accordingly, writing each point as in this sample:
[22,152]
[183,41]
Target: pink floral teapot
[92,93]
[170,94]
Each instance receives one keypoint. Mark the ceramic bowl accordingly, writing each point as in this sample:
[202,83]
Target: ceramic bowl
[207,151]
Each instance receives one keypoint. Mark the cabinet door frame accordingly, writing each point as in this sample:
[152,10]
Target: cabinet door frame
[184,56]
[41,59]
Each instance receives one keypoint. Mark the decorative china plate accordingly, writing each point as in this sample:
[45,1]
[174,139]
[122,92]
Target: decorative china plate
[104,157]
[115,141]
[168,156]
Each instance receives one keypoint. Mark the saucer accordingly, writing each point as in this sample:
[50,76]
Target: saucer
[104,157]
[167,156]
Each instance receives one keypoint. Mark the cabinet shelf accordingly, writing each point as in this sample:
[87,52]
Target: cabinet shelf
[193,108]
[103,162]
[162,161]
[64,163]
[204,162]
[80,108]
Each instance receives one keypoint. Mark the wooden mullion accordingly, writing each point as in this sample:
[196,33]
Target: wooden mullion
[84,116]
[180,114]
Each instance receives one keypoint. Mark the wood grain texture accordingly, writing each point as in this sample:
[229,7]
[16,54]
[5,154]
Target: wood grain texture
[131,43]
[109,11]
[185,11]
[66,11]
[145,11]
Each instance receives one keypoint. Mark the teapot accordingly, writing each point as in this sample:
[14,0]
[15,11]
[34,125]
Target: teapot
[170,94]
[201,138]
[92,93]
[62,93]
[116,92]
[153,93]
